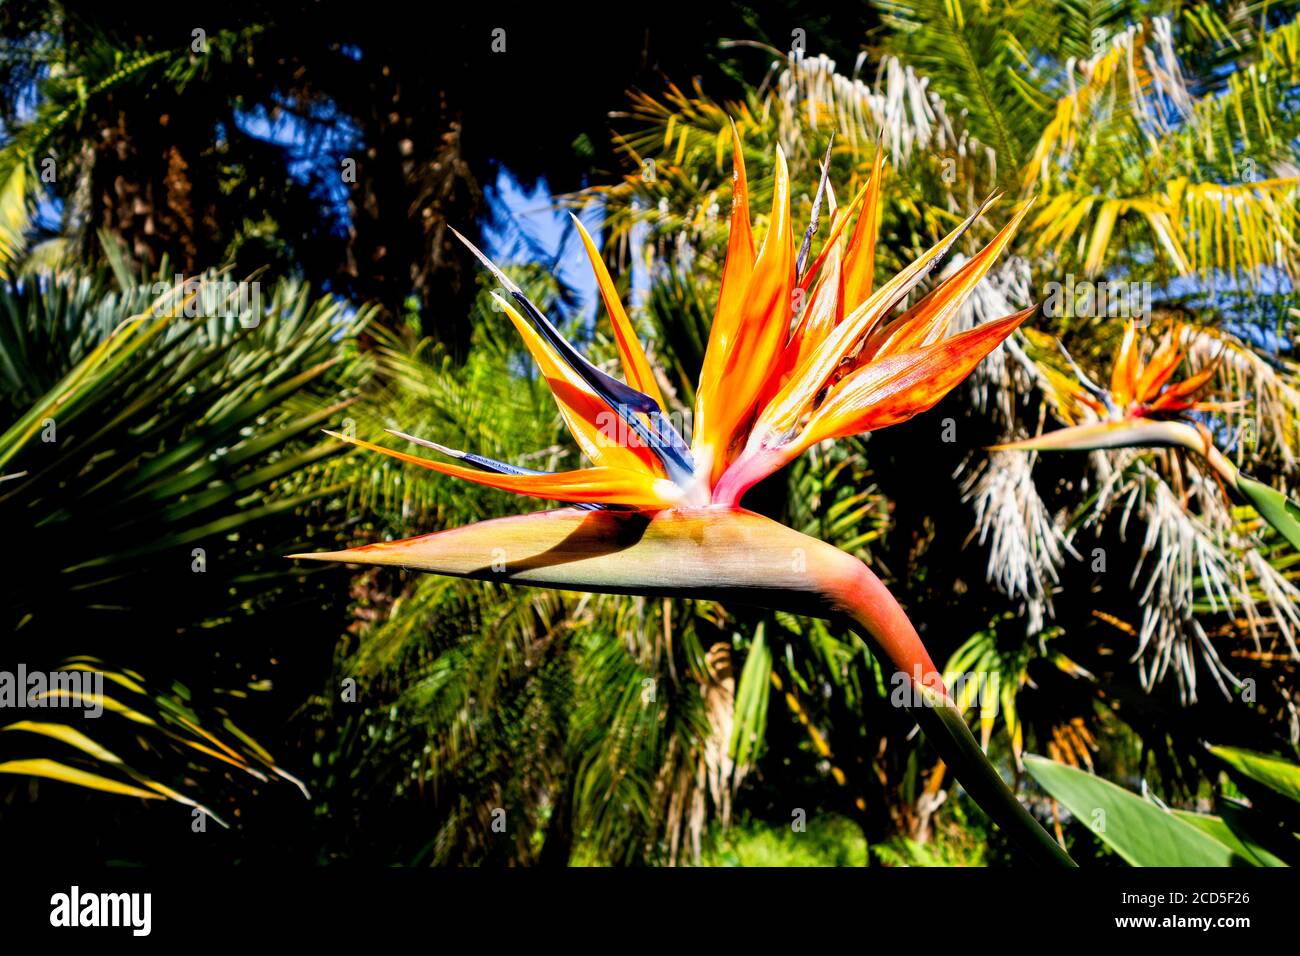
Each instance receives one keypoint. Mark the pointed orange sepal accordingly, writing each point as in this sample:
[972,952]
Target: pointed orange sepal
[928,320]
[594,425]
[1178,393]
[794,399]
[751,359]
[1124,376]
[736,273]
[895,388]
[597,485]
[860,257]
[636,367]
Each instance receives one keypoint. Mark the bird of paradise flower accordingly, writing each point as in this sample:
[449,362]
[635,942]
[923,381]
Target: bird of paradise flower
[798,354]
[1145,408]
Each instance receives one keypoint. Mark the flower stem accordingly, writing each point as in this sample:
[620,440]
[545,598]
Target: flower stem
[874,613]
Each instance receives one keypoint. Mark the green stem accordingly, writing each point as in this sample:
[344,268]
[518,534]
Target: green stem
[947,731]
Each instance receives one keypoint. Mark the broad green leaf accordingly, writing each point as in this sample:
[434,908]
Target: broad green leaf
[1276,508]
[1138,830]
[1274,772]
[1261,832]
[1221,830]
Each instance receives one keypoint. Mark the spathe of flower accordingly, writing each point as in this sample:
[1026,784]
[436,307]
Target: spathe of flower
[1144,407]
[799,353]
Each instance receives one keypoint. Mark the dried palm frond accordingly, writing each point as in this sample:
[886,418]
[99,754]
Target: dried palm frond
[1183,558]
[898,111]
[1199,564]
[1026,546]
[1261,397]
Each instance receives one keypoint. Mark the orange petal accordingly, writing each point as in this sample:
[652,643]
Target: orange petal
[824,307]
[1124,376]
[1180,391]
[881,393]
[822,313]
[601,484]
[736,272]
[764,326]
[895,388]
[596,427]
[1159,369]
[927,321]
[860,259]
[636,367]
[797,395]
[839,219]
